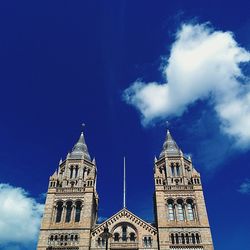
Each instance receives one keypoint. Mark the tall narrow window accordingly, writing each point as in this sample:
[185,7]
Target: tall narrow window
[59,210]
[193,238]
[172,238]
[132,236]
[71,172]
[145,241]
[190,211]
[172,169]
[99,242]
[170,210]
[182,239]
[116,236]
[124,232]
[103,242]
[68,211]
[177,238]
[177,169]
[180,210]
[197,238]
[78,211]
[51,237]
[149,241]
[76,171]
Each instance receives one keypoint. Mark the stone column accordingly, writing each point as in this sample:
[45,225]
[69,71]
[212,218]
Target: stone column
[175,212]
[73,213]
[63,213]
[184,207]
[53,217]
[195,211]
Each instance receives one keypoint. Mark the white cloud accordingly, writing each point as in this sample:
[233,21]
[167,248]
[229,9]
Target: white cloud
[245,187]
[20,218]
[203,64]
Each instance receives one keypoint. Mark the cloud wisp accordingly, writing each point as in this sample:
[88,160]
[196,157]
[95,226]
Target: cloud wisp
[20,218]
[203,64]
[245,187]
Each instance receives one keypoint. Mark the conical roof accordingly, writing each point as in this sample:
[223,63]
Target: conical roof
[80,150]
[170,147]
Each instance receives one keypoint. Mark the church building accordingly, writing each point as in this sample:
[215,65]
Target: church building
[70,214]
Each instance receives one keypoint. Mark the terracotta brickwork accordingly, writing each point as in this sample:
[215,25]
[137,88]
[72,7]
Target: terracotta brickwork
[180,209]
[70,214]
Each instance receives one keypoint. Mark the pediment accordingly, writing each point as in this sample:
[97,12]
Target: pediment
[124,215]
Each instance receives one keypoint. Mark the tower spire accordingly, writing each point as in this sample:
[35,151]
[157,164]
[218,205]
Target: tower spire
[80,149]
[124,182]
[170,147]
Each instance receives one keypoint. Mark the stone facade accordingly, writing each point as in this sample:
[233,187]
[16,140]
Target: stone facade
[70,215]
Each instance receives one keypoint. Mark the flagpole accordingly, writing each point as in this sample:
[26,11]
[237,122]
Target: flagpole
[124,182]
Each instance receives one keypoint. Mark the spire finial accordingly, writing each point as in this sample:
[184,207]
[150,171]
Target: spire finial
[124,182]
[167,125]
[83,126]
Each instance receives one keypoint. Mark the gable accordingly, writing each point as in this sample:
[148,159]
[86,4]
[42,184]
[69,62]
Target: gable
[124,215]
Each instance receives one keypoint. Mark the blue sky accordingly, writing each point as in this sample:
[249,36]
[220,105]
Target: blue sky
[67,62]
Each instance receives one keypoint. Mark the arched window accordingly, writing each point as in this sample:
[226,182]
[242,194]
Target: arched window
[78,211]
[187,238]
[177,169]
[172,238]
[180,210]
[182,239]
[99,242]
[193,238]
[124,232]
[145,241]
[68,211]
[76,171]
[149,241]
[59,210]
[197,238]
[190,211]
[71,172]
[132,236]
[116,236]
[172,169]
[103,242]
[170,210]
[177,238]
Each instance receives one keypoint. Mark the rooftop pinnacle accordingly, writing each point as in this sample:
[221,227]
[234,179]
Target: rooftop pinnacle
[80,149]
[170,147]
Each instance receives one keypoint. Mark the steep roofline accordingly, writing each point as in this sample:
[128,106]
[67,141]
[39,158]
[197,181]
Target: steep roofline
[103,224]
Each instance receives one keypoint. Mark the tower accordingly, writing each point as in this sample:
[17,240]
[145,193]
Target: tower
[71,203]
[180,210]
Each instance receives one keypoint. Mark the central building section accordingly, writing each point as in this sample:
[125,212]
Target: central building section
[127,232]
